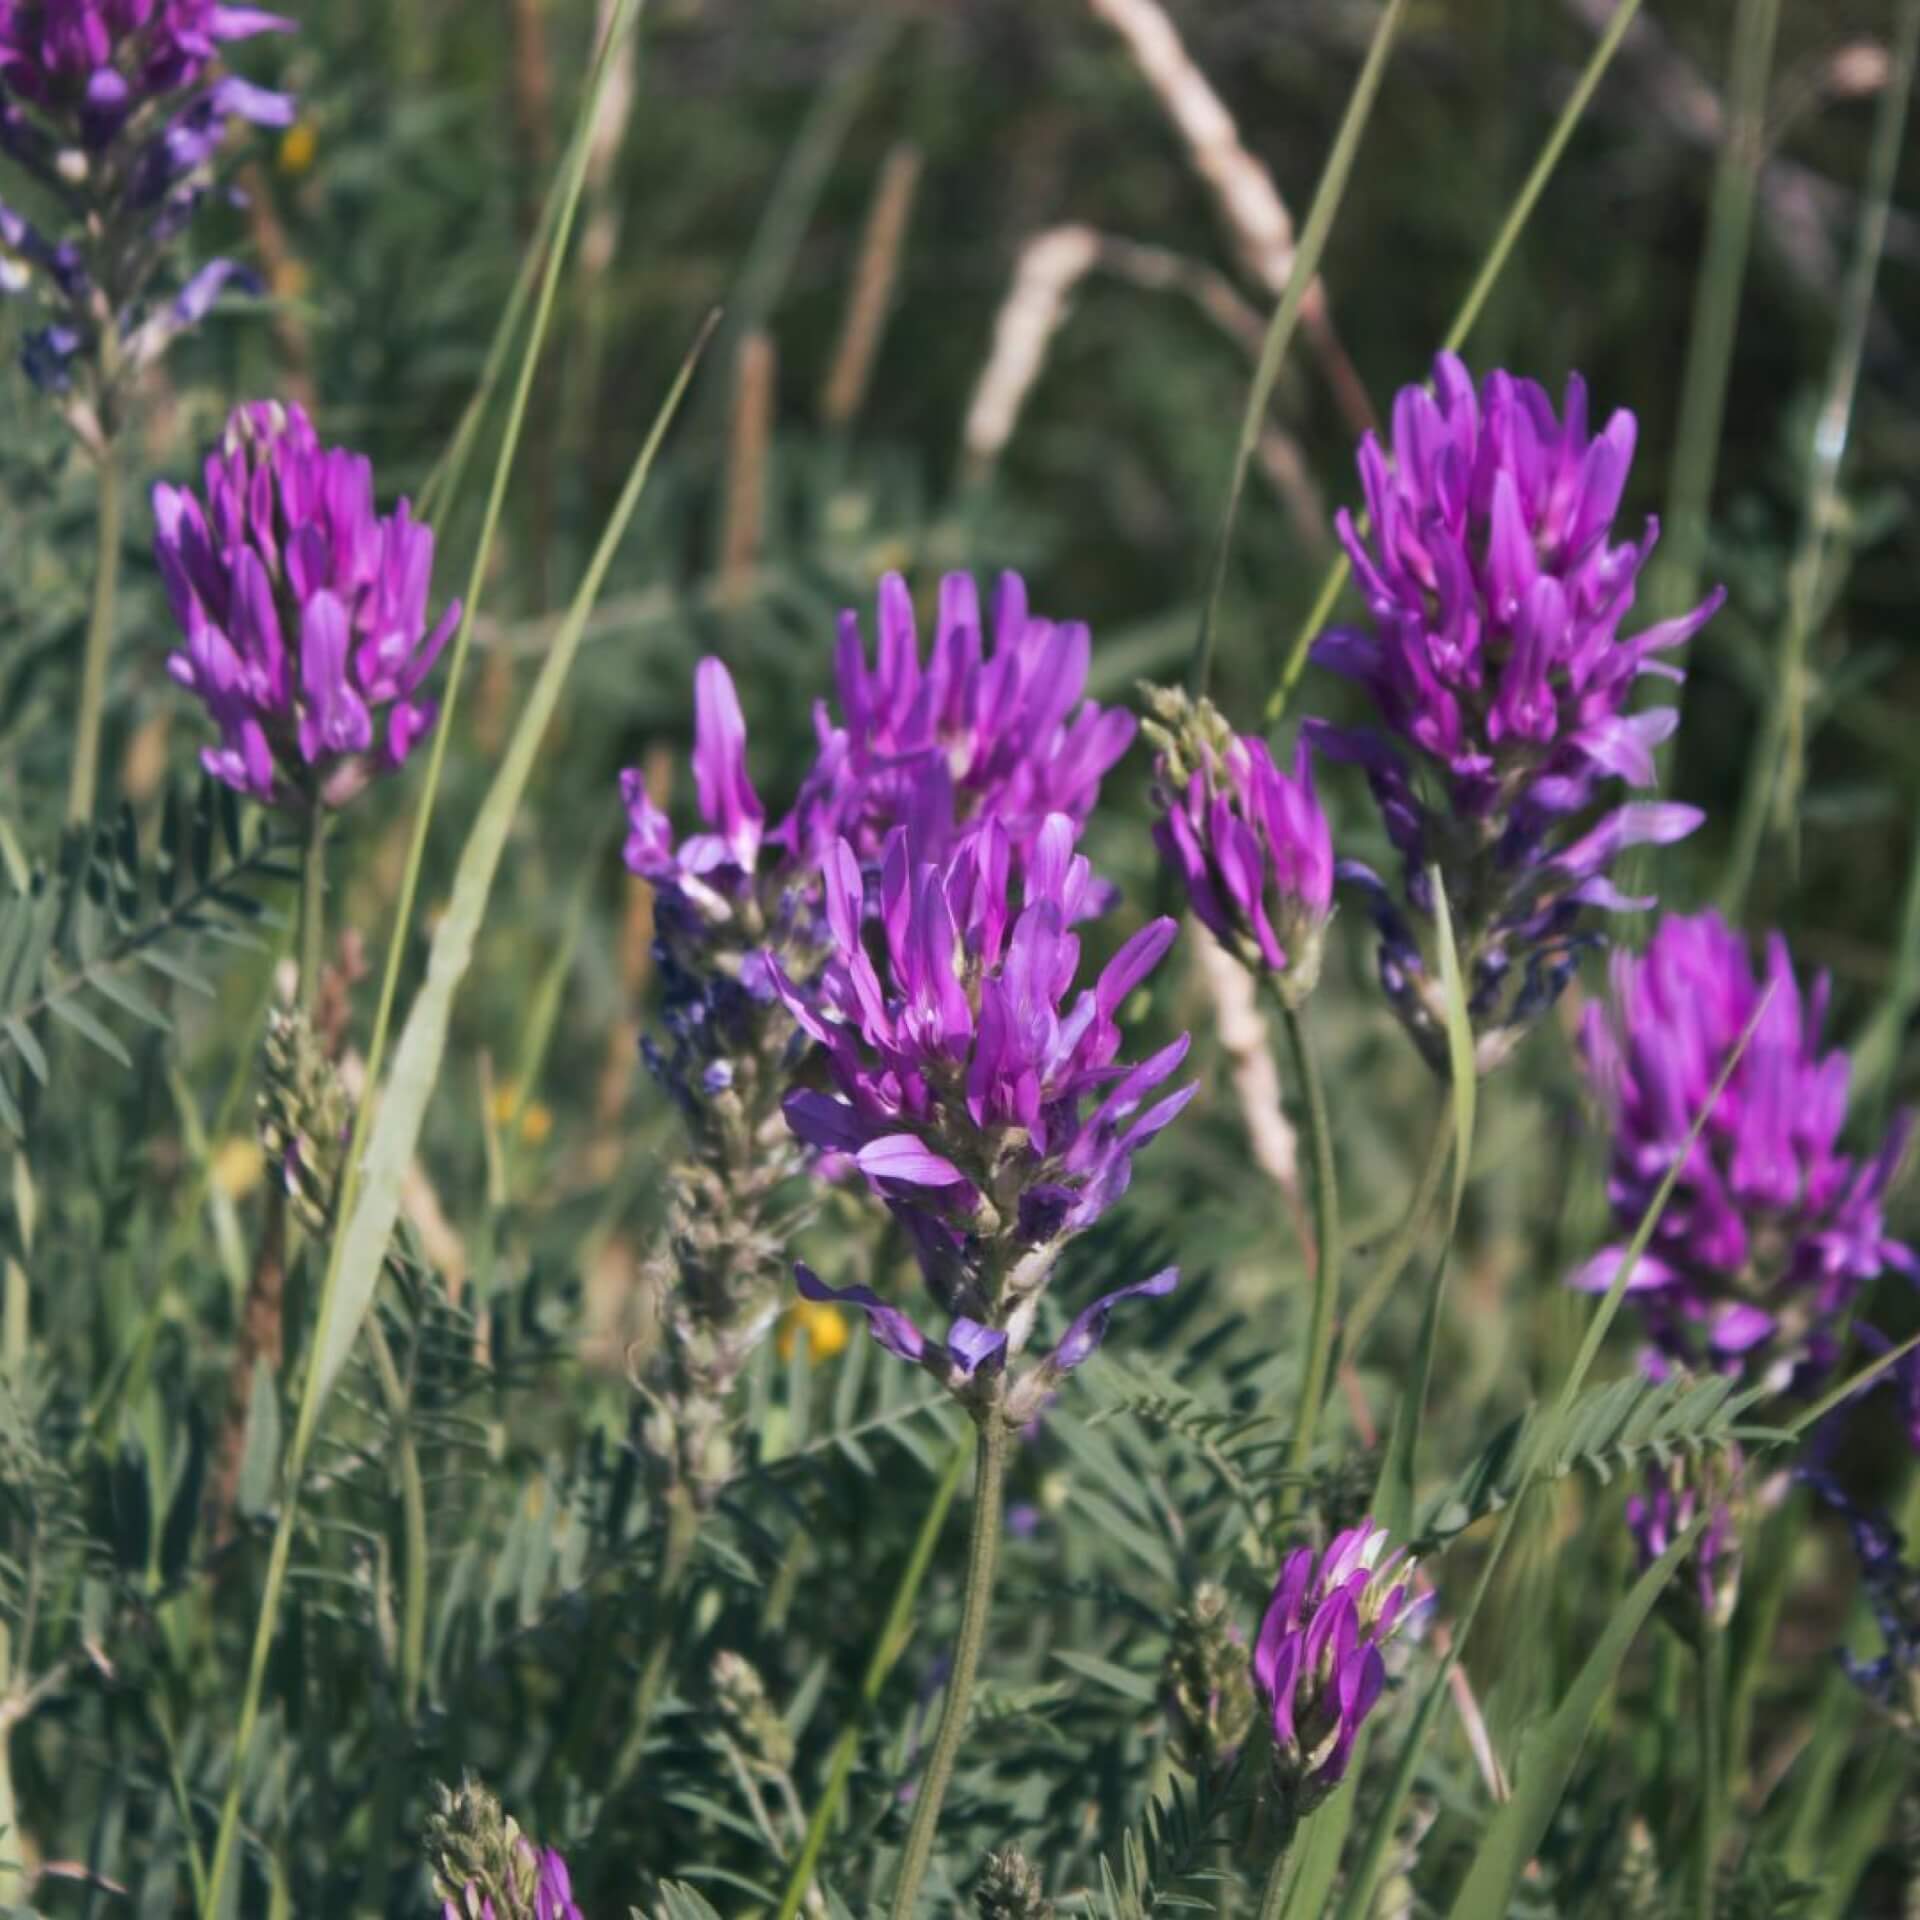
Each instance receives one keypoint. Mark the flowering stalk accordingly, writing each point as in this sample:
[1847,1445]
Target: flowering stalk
[112,107]
[1253,851]
[1327,1252]
[83,777]
[1503,687]
[1773,1231]
[983,1551]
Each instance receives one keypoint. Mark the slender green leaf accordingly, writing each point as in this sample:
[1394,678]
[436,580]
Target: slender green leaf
[1547,1760]
[422,1043]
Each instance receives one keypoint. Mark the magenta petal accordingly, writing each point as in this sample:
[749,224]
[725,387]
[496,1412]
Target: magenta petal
[1089,1326]
[888,1324]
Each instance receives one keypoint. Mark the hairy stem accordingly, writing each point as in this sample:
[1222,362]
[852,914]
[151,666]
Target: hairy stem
[1273,1902]
[84,775]
[683,1531]
[983,1552]
[1326,1234]
[313,904]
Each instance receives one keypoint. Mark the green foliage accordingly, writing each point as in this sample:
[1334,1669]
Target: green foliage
[480,1571]
[77,935]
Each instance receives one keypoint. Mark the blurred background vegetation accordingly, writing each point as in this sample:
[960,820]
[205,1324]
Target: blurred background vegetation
[858,187]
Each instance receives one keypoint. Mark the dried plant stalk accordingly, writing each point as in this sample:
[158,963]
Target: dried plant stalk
[748,444]
[1254,214]
[1051,266]
[881,246]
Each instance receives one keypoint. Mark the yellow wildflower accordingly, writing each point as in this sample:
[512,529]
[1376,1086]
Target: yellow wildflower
[297,146]
[824,1325]
[238,1166]
[535,1118]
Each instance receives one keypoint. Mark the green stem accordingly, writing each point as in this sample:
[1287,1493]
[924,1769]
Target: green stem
[887,1650]
[1773,773]
[983,1551]
[313,904]
[1709,1705]
[1463,321]
[1300,278]
[683,1532]
[1723,268]
[1710,1691]
[1326,1235]
[84,776]
[1406,1235]
[413,1519]
[1273,1902]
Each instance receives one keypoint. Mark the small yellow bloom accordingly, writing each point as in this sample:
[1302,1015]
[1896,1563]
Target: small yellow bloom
[297,146]
[291,280]
[535,1119]
[239,1165]
[825,1327]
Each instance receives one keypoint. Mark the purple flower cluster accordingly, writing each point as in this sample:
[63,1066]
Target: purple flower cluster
[1890,1584]
[1495,663]
[980,1095]
[1318,1661]
[971,736]
[114,107]
[970,739]
[551,1899]
[1771,1230]
[1671,1498]
[304,612]
[913,916]
[1250,845]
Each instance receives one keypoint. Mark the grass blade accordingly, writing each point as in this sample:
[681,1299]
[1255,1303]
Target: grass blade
[1484,282]
[416,1060]
[1306,265]
[1546,1762]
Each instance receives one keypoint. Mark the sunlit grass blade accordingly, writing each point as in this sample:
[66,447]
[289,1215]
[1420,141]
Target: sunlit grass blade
[313,1392]
[1464,321]
[1775,770]
[1804,1422]
[1273,352]
[1394,1494]
[1723,266]
[1547,1760]
[416,1061]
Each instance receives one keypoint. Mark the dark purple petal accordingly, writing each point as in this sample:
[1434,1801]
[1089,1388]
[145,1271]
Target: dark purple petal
[888,1324]
[1089,1326]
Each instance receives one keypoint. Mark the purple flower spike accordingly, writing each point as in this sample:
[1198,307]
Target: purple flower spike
[971,735]
[1089,1327]
[553,1889]
[1250,844]
[114,106]
[1671,1498]
[1502,683]
[1318,1661]
[303,612]
[1771,1231]
[979,1093]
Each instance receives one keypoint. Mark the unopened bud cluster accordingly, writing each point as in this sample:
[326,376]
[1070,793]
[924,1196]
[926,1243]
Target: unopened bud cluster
[1010,1888]
[1206,1685]
[305,1116]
